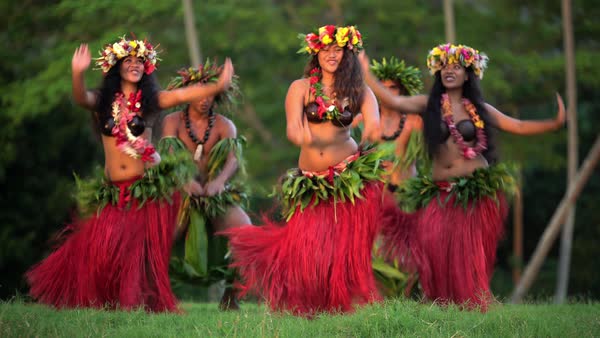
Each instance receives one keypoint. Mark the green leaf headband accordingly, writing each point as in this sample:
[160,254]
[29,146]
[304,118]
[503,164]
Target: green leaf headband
[409,77]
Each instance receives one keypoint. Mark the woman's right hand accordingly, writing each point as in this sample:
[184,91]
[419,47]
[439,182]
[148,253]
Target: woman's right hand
[81,59]
[226,75]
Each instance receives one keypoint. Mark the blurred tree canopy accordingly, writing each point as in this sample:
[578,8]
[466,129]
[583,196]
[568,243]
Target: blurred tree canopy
[45,138]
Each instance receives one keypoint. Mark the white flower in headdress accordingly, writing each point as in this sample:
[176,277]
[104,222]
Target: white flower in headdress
[141,50]
[119,50]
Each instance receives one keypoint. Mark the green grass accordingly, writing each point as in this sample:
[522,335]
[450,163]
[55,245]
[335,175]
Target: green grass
[392,319]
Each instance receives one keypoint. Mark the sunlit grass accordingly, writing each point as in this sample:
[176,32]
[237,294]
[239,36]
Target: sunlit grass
[391,319]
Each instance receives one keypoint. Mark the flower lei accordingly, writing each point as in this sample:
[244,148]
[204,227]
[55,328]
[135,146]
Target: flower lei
[347,36]
[481,143]
[124,48]
[448,53]
[123,111]
[327,112]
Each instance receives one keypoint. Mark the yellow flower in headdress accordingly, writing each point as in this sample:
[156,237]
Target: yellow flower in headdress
[341,36]
[451,59]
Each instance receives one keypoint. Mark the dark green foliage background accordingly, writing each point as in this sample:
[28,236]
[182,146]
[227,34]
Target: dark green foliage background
[44,137]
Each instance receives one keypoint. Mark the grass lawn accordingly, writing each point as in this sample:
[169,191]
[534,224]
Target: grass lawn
[392,319]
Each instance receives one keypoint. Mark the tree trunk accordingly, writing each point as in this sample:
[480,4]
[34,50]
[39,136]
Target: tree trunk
[449,21]
[567,234]
[190,33]
[336,12]
[549,235]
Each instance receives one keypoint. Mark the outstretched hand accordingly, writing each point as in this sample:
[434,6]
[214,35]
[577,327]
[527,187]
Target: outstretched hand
[226,75]
[561,115]
[81,59]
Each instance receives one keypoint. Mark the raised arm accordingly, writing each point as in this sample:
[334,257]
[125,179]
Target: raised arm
[370,115]
[406,104]
[528,127]
[79,64]
[297,129]
[172,98]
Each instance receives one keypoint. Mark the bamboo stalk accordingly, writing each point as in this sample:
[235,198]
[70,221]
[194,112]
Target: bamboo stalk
[572,148]
[449,21]
[190,33]
[549,235]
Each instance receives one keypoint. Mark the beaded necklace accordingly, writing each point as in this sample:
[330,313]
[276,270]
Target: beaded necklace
[199,143]
[397,132]
[468,152]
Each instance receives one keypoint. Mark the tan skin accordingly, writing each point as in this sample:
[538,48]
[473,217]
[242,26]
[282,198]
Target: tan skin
[448,161]
[390,120]
[323,145]
[174,126]
[118,165]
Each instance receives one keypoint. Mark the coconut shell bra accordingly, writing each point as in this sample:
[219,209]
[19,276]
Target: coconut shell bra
[137,125]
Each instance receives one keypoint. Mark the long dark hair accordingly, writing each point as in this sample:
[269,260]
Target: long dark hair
[348,79]
[111,84]
[432,118]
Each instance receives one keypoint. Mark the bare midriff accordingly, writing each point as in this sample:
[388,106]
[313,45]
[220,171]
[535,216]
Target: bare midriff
[449,162]
[118,165]
[330,146]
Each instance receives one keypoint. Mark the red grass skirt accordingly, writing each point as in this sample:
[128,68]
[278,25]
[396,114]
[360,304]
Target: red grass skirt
[455,249]
[117,259]
[320,260]
[397,227]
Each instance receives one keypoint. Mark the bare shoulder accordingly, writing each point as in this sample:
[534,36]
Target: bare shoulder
[299,86]
[225,126]
[170,124]
[173,118]
[414,121]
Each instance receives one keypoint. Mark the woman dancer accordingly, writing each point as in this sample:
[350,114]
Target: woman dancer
[320,258]
[118,256]
[462,203]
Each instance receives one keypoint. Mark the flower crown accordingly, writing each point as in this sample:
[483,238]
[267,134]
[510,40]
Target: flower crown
[347,36]
[408,77]
[124,48]
[448,53]
[205,73]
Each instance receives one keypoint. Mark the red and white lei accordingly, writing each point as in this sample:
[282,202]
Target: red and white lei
[123,111]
